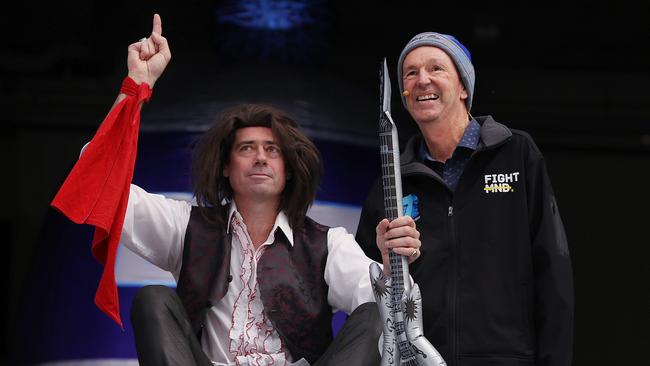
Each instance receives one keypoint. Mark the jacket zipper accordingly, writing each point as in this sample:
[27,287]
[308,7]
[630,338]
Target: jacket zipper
[453,291]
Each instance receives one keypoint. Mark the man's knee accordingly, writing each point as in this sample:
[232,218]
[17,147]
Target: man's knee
[368,310]
[151,300]
[367,316]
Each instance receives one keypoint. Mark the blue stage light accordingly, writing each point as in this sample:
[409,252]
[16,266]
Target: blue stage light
[273,31]
[267,14]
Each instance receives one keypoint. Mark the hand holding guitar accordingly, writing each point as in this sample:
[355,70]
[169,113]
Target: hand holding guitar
[401,236]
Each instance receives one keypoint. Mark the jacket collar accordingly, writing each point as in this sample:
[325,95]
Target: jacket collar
[493,133]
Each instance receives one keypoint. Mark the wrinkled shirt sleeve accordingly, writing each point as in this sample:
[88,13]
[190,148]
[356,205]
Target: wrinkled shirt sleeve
[154,228]
[346,272]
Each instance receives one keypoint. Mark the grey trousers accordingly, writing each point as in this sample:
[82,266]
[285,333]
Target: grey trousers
[164,336]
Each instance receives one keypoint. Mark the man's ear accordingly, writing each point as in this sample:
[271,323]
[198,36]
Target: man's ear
[463,94]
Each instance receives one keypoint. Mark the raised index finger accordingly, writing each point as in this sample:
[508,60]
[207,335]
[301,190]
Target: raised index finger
[157,24]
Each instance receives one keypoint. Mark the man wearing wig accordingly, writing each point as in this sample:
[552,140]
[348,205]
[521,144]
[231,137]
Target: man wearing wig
[257,279]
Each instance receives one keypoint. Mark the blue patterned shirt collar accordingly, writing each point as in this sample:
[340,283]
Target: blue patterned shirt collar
[470,140]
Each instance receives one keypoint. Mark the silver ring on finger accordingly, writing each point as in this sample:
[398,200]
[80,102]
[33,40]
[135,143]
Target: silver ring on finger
[142,39]
[415,253]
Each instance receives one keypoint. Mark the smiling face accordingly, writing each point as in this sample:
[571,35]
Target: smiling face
[436,91]
[256,169]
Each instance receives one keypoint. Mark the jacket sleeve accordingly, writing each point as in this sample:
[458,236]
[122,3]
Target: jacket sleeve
[554,297]
[371,214]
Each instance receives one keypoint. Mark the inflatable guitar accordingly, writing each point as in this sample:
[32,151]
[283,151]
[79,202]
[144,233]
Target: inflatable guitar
[400,305]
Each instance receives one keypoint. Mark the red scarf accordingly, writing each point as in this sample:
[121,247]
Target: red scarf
[96,191]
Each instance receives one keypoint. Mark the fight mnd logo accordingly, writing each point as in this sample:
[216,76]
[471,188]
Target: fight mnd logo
[500,183]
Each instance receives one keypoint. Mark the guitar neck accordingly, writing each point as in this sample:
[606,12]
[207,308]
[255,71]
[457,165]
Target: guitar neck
[392,186]
[390,170]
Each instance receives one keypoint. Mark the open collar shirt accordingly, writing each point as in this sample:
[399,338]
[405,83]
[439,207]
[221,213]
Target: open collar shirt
[451,170]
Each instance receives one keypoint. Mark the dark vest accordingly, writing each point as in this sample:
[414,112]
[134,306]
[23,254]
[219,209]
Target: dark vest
[291,281]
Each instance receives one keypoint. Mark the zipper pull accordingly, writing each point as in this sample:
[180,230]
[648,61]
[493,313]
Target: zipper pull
[450,213]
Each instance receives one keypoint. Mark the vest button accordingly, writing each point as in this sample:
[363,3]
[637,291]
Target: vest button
[208,304]
[229,278]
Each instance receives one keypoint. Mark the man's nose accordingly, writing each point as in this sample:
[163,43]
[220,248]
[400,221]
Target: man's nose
[260,155]
[423,77]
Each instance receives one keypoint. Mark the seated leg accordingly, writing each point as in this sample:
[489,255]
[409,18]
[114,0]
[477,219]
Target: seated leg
[163,334]
[356,343]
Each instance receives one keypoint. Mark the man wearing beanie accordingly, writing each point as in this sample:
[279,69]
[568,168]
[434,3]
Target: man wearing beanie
[494,269]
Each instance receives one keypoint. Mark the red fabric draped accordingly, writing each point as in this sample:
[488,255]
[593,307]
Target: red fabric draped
[96,191]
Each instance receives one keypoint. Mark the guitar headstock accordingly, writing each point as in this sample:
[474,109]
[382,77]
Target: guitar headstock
[385,121]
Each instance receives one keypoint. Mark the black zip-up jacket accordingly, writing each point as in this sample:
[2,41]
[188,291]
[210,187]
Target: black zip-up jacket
[495,272]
